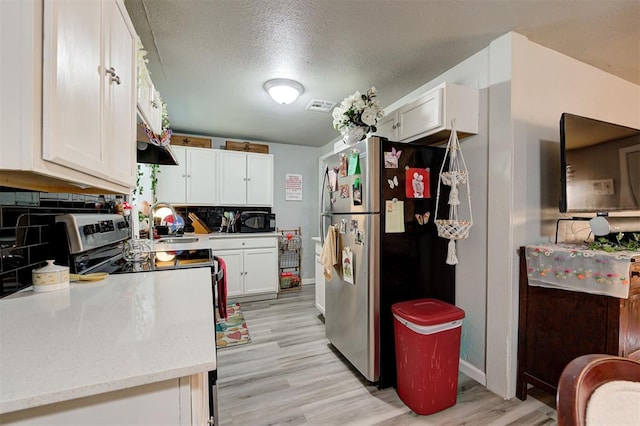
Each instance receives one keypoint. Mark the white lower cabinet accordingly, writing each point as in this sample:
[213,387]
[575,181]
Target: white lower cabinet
[320,281]
[182,401]
[251,265]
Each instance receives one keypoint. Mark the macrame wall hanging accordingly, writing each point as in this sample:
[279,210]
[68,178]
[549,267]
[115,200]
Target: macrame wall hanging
[453,228]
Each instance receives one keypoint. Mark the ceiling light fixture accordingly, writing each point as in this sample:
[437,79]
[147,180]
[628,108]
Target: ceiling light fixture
[283,91]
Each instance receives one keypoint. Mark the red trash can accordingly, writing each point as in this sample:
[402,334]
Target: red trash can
[427,337]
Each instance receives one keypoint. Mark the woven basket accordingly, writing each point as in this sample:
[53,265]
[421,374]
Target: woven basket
[453,229]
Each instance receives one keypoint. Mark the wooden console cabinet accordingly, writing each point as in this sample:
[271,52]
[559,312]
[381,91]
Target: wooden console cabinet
[556,326]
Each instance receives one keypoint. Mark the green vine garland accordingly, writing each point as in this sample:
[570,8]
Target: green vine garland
[155,169]
[153,176]
[631,244]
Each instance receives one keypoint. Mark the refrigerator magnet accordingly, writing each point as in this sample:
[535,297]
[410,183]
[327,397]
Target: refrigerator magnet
[354,163]
[423,219]
[357,192]
[343,166]
[347,265]
[359,238]
[343,226]
[333,180]
[394,216]
[353,226]
[344,191]
[393,182]
[391,159]
[417,183]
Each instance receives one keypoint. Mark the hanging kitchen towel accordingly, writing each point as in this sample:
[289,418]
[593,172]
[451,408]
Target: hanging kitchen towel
[331,252]
[222,289]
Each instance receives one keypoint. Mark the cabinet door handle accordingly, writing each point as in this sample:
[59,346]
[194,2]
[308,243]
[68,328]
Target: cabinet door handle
[397,125]
[154,104]
[111,71]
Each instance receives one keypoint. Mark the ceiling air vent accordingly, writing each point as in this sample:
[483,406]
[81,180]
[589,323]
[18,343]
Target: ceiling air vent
[322,106]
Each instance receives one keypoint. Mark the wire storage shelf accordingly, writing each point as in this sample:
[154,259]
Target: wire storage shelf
[290,251]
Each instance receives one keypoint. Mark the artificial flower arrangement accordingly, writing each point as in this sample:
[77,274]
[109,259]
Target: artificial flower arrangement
[358,115]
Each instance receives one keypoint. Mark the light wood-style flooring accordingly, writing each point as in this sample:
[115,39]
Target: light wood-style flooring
[290,375]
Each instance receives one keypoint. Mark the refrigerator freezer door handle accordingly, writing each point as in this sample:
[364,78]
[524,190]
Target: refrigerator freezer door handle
[325,178]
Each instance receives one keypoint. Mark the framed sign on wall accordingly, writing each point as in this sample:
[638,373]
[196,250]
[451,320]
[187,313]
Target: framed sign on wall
[293,187]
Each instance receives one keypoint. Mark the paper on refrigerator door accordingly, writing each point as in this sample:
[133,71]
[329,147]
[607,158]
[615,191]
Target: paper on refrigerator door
[394,216]
[347,265]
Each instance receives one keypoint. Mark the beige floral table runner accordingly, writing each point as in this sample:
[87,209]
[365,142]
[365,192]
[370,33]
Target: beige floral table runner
[577,268]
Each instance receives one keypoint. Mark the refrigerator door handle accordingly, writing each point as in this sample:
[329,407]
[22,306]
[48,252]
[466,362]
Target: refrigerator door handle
[323,216]
[325,178]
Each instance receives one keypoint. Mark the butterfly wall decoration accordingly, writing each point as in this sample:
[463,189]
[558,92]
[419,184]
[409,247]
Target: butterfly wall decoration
[159,140]
[393,183]
[423,219]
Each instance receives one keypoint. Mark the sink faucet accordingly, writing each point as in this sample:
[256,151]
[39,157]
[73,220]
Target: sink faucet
[151,215]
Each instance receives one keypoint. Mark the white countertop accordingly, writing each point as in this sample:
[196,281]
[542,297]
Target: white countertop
[127,330]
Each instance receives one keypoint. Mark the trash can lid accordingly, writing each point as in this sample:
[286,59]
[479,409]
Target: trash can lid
[427,311]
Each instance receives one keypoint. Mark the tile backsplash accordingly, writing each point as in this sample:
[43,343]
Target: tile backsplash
[26,230]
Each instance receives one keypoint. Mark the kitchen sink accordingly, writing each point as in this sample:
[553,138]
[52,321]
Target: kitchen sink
[178,240]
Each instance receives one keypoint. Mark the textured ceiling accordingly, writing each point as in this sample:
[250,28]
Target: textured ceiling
[210,58]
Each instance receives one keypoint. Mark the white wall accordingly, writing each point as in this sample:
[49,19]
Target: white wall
[471,270]
[524,170]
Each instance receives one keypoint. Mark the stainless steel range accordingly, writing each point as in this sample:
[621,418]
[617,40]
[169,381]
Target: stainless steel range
[96,243]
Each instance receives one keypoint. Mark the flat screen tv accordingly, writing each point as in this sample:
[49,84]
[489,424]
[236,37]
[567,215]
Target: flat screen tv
[599,166]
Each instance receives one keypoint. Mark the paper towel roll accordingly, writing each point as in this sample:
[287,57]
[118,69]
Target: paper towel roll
[135,222]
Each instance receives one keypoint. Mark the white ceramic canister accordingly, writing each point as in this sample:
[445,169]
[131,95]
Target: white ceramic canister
[50,277]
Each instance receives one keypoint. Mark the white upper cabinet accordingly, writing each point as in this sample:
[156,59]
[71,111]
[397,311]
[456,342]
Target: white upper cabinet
[74,77]
[428,118]
[192,181]
[89,83]
[120,110]
[245,179]
[387,126]
[149,101]
[260,179]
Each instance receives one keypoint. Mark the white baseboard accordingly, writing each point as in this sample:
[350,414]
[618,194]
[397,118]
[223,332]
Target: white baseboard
[473,372]
[306,281]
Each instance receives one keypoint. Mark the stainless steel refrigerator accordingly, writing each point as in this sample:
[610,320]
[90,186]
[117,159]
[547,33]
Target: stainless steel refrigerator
[392,252]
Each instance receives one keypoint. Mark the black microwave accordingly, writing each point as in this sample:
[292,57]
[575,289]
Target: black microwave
[257,222]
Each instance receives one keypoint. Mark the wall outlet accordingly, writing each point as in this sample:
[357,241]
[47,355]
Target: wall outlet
[602,187]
